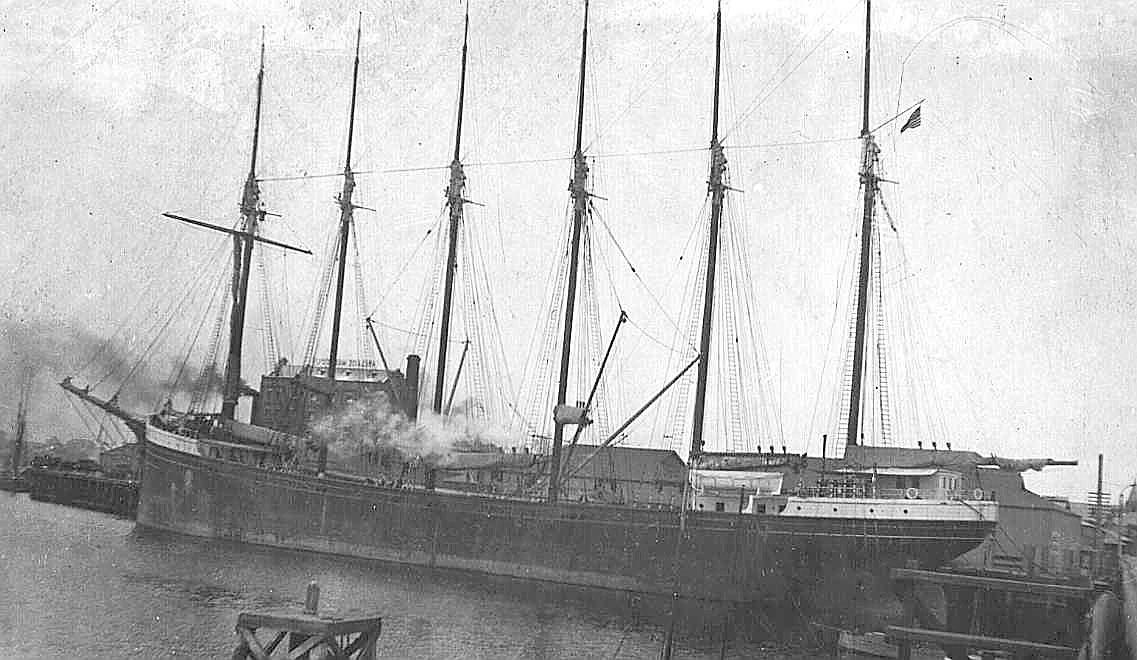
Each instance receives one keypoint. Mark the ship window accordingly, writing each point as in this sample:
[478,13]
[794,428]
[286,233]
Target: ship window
[720,506]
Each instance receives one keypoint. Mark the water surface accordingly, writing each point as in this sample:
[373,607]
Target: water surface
[76,583]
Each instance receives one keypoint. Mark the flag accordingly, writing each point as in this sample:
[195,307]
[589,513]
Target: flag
[913,120]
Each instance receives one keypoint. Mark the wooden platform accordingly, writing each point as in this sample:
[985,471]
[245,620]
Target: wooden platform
[995,613]
[309,634]
[903,634]
[993,583]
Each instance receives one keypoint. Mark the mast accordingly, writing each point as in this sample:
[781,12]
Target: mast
[579,190]
[347,210]
[717,189]
[242,257]
[21,426]
[455,200]
[869,181]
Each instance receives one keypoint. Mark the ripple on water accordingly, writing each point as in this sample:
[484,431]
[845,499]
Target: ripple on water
[83,584]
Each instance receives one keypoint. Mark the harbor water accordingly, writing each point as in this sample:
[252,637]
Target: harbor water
[76,583]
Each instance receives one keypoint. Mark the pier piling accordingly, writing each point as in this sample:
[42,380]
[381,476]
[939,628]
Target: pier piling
[309,634]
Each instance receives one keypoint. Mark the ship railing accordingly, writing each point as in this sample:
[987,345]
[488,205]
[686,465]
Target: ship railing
[868,491]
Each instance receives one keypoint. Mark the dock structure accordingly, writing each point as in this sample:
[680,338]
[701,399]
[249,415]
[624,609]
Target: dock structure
[989,614]
[1129,601]
[307,635]
[85,490]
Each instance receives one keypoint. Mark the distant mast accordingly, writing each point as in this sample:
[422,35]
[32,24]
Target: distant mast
[455,199]
[21,425]
[242,256]
[717,188]
[347,210]
[579,189]
[869,181]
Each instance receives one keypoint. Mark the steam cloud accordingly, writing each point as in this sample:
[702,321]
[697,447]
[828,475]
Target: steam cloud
[372,425]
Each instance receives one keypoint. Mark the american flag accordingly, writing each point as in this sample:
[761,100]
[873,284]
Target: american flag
[913,120]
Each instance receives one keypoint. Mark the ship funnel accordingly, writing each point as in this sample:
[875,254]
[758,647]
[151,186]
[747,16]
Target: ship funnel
[411,401]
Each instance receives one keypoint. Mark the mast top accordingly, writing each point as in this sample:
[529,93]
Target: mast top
[580,95]
[257,117]
[868,41]
[354,88]
[462,86]
[718,60]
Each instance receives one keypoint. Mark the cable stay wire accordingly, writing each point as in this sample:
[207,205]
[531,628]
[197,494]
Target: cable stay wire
[171,310]
[765,94]
[434,230]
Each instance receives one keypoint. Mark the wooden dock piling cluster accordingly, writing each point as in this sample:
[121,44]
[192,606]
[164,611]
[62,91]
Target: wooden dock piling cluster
[988,614]
[307,635]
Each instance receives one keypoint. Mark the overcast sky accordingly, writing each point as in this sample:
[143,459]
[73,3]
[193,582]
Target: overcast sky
[1014,198]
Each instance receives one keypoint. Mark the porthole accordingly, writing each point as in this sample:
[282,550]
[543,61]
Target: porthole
[905,510]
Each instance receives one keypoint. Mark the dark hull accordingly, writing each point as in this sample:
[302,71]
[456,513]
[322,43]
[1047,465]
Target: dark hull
[729,557]
[13,484]
[86,491]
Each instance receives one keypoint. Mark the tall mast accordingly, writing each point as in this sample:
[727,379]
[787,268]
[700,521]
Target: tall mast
[347,210]
[242,256]
[717,188]
[869,181]
[455,200]
[21,425]
[579,190]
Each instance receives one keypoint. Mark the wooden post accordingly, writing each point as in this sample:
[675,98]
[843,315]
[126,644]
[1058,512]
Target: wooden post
[1097,525]
[347,637]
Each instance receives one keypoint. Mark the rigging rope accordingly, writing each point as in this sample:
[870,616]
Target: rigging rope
[765,94]
[172,313]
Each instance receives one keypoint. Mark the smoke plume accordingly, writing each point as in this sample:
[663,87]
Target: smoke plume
[372,425]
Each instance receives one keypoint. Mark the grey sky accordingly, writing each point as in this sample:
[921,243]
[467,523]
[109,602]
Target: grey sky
[1014,204]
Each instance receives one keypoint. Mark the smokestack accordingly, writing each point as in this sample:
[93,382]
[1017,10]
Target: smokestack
[412,387]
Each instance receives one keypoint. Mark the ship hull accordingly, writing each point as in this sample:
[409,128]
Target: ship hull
[724,557]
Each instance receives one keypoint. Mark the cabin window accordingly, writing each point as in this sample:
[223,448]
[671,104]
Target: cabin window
[720,506]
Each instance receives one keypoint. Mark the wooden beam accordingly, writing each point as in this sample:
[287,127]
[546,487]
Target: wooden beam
[236,232]
[992,583]
[250,639]
[903,634]
[275,642]
[309,644]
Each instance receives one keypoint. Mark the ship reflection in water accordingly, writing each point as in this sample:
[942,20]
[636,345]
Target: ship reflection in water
[83,584]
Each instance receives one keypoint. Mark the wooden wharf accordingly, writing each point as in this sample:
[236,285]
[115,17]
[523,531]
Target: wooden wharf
[310,635]
[1022,617]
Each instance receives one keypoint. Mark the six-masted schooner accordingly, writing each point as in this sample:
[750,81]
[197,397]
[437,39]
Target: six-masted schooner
[212,475]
